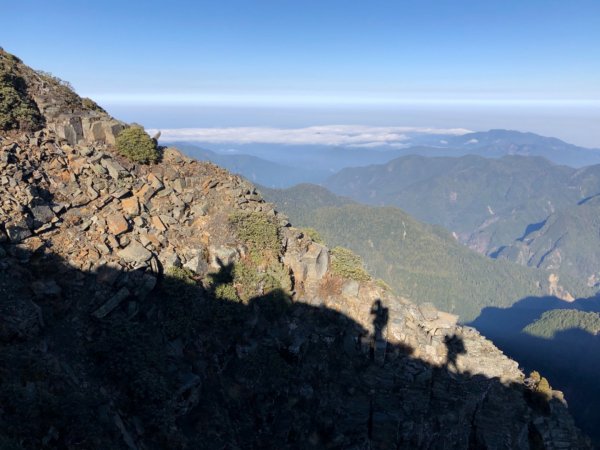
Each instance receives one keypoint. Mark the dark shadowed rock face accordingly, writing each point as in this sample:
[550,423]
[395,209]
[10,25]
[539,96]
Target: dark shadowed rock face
[169,306]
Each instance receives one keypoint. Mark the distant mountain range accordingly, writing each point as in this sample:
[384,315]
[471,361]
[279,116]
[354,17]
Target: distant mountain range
[313,163]
[487,202]
[498,143]
[421,262]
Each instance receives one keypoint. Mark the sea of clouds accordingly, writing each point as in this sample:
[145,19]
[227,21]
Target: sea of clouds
[334,135]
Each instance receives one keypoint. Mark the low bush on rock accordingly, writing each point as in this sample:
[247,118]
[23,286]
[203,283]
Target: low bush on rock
[256,230]
[135,144]
[347,264]
[313,235]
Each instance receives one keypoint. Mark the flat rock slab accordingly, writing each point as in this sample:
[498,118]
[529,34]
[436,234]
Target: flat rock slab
[117,224]
[135,253]
[111,304]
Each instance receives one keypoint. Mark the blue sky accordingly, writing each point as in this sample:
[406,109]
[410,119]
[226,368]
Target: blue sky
[326,54]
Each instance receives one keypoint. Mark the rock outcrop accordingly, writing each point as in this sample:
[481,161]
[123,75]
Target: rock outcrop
[169,306]
[73,119]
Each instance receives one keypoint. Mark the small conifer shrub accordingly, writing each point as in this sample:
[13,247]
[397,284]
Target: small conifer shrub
[312,234]
[135,144]
[544,388]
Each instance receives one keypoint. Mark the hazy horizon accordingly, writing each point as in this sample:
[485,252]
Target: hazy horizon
[527,66]
[577,126]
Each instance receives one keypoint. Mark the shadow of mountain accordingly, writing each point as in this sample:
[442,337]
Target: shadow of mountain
[103,359]
[569,359]
[532,228]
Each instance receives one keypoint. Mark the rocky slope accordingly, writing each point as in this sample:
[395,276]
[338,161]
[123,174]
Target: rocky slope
[169,306]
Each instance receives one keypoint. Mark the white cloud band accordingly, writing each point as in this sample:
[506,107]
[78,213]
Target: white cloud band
[334,135]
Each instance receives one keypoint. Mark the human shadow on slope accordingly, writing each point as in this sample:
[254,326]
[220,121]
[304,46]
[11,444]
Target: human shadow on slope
[455,347]
[568,359]
[184,367]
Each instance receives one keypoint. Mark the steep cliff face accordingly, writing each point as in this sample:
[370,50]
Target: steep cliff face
[169,306]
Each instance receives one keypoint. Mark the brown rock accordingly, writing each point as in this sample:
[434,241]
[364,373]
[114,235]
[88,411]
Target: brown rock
[150,238]
[131,206]
[155,181]
[145,193]
[117,224]
[158,224]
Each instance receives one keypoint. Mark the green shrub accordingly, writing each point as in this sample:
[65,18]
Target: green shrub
[347,264]
[226,292]
[543,387]
[17,110]
[176,275]
[313,235]
[90,104]
[258,231]
[135,144]
[250,281]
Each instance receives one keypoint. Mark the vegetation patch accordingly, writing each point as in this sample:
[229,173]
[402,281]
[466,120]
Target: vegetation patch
[261,271]
[383,285]
[62,89]
[135,144]
[177,275]
[17,109]
[347,264]
[251,281]
[557,320]
[313,235]
[90,104]
[258,231]
[226,292]
[541,385]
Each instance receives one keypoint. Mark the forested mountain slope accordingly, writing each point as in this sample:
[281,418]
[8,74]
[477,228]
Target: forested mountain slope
[488,203]
[419,261]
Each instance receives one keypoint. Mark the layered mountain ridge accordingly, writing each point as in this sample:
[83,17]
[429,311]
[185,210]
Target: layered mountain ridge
[169,306]
[488,203]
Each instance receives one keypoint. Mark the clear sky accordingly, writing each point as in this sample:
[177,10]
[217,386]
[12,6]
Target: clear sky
[513,54]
